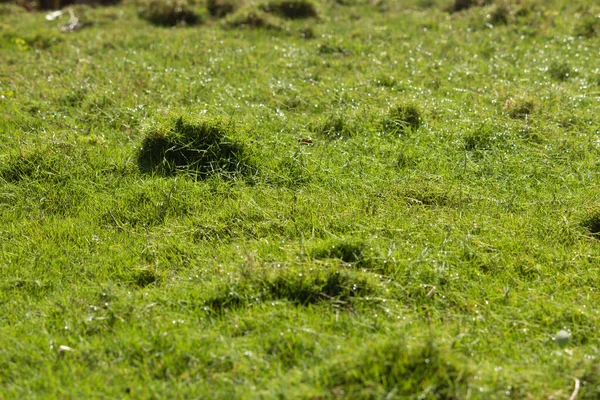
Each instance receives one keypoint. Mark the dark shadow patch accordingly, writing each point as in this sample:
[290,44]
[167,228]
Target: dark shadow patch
[590,380]
[460,5]
[221,8]
[500,14]
[349,252]
[301,287]
[292,9]
[332,48]
[591,223]
[144,277]
[589,26]
[317,286]
[168,13]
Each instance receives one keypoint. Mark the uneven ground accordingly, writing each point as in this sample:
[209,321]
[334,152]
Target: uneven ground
[354,250]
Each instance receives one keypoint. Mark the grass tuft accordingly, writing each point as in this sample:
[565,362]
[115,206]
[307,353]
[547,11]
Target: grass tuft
[402,118]
[253,18]
[144,277]
[52,163]
[460,5]
[168,13]
[391,366]
[521,109]
[221,8]
[500,14]
[316,286]
[347,251]
[560,71]
[484,137]
[589,27]
[199,146]
[298,286]
[292,9]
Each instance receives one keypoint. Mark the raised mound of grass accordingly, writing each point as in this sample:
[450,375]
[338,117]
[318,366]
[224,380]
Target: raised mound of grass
[292,9]
[392,366]
[254,18]
[47,164]
[168,13]
[460,5]
[346,251]
[221,8]
[402,118]
[298,286]
[197,146]
[521,109]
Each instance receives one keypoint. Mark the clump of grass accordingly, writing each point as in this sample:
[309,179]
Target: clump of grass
[391,366]
[332,48]
[500,14]
[460,5]
[292,9]
[298,286]
[317,286]
[485,137]
[168,13]
[221,8]
[402,118]
[49,163]
[252,17]
[589,27]
[560,71]
[347,251]
[199,146]
[521,109]
[307,32]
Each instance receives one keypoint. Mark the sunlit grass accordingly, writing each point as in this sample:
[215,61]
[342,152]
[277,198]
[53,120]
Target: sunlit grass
[384,199]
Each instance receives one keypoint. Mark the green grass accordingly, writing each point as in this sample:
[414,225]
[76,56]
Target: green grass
[386,199]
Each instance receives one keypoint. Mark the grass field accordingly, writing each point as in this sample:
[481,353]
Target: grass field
[381,199]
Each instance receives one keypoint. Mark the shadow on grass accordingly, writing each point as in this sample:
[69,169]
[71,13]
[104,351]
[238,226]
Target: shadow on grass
[301,288]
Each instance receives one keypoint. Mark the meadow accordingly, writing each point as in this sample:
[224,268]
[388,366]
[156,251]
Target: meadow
[370,199]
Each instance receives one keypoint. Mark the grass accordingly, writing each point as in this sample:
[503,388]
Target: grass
[168,13]
[385,200]
[201,147]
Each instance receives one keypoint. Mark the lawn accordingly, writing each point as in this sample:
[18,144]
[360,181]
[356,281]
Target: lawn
[368,199]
